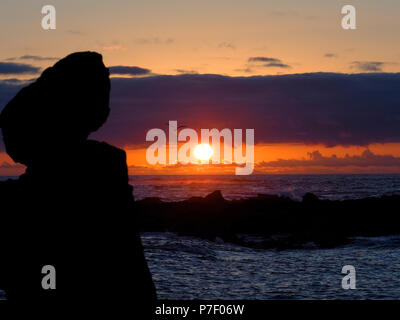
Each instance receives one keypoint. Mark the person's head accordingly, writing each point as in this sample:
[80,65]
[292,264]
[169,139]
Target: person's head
[60,109]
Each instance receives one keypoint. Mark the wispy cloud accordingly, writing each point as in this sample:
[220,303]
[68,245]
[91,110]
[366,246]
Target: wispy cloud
[228,45]
[292,14]
[17,68]
[287,13]
[75,32]
[15,81]
[113,48]
[183,71]
[154,41]
[34,58]
[129,70]
[277,65]
[245,70]
[330,55]
[368,66]
[263,59]
[270,62]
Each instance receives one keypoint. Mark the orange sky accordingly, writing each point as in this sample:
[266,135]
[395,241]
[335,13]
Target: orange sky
[136,159]
[207,36]
[219,37]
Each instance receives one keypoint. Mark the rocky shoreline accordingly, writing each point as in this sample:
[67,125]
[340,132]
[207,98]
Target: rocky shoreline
[273,222]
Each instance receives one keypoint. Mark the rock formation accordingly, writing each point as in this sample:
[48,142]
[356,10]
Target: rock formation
[73,208]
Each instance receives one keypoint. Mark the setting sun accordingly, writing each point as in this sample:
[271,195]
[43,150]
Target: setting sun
[203,152]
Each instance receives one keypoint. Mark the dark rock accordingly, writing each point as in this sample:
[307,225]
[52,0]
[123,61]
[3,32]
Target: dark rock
[73,208]
[310,197]
[215,196]
[306,224]
[60,109]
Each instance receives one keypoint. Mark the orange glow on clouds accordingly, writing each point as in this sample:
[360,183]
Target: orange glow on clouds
[272,153]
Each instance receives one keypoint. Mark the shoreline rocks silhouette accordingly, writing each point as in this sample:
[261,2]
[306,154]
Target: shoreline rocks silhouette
[278,222]
[61,211]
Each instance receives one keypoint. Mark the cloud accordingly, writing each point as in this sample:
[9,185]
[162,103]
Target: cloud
[183,71]
[316,159]
[75,32]
[330,55]
[128,70]
[15,81]
[154,41]
[368,66]
[277,65]
[228,45]
[17,68]
[113,48]
[263,59]
[38,58]
[317,108]
[271,62]
[245,70]
[291,13]
[34,58]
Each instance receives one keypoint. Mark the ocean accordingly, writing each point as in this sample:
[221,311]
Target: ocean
[333,187]
[192,268]
[186,267]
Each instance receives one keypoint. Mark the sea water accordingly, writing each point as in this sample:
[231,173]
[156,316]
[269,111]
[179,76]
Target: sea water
[194,268]
[175,188]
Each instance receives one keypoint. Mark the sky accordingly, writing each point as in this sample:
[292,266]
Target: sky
[320,98]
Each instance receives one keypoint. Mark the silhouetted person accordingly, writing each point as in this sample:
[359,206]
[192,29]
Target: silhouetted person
[73,207]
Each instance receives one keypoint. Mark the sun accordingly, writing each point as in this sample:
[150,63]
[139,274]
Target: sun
[203,152]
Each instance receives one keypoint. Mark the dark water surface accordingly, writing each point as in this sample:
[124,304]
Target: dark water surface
[192,268]
[175,188]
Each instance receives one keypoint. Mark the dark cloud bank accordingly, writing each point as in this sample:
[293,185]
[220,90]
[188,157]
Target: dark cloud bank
[316,159]
[7,68]
[130,71]
[332,109]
